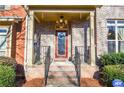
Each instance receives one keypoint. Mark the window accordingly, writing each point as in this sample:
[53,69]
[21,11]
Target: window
[115,36]
[2,7]
[3,32]
[120,33]
[111,32]
[5,7]
[111,21]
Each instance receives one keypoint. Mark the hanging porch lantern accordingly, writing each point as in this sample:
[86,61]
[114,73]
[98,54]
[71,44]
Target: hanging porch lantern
[61,23]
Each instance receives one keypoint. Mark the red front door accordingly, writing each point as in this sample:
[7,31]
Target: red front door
[61,44]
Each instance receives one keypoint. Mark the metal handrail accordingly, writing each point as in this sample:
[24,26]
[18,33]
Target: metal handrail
[77,63]
[47,60]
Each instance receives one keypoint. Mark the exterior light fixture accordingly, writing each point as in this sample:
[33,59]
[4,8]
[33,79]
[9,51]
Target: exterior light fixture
[61,19]
[61,23]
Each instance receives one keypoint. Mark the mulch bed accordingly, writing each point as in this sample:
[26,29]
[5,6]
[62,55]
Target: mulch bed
[36,82]
[89,82]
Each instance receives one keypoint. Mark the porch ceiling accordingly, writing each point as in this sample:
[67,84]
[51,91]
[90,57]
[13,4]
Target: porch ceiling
[53,16]
[53,12]
[86,7]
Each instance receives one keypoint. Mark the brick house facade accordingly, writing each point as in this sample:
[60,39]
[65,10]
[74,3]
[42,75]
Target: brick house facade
[34,30]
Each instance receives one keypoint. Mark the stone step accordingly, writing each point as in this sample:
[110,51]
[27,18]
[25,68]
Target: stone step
[62,79]
[62,82]
[61,85]
[62,64]
[62,74]
[69,74]
[62,68]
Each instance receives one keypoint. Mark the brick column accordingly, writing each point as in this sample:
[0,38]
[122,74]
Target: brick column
[30,39]
[92,40]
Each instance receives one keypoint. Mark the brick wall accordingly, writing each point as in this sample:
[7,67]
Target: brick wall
[18,38]
[102,14]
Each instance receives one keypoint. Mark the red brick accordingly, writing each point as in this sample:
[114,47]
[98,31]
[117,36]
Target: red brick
[18,38]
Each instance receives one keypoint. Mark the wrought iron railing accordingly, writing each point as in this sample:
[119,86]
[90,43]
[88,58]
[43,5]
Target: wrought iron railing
[43,52]
[80,50]
[47,60]
[77,63]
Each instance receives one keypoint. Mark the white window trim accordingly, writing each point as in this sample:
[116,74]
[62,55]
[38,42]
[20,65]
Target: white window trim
[116,37]
[4,27]
[116,33]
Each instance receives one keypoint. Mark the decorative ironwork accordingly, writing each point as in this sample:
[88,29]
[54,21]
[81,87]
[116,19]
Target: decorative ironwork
[44,50]
[81,52]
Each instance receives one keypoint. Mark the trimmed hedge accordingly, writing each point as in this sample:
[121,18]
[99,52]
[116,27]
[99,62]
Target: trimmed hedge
[7,61]
[112,72]
[7,76]
[112,59]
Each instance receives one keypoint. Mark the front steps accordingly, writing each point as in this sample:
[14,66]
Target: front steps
[62,74]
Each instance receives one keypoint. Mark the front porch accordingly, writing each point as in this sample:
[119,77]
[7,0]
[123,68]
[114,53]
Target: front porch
[63,75]
[42,39]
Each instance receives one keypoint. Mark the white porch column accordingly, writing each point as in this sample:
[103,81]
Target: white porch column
[92,40]
[30,39]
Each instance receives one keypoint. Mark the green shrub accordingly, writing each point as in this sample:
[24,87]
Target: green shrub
[111,72]
[112,59]
[7,61]
[7,76]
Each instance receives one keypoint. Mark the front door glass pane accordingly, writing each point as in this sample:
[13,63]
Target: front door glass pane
[61,42]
